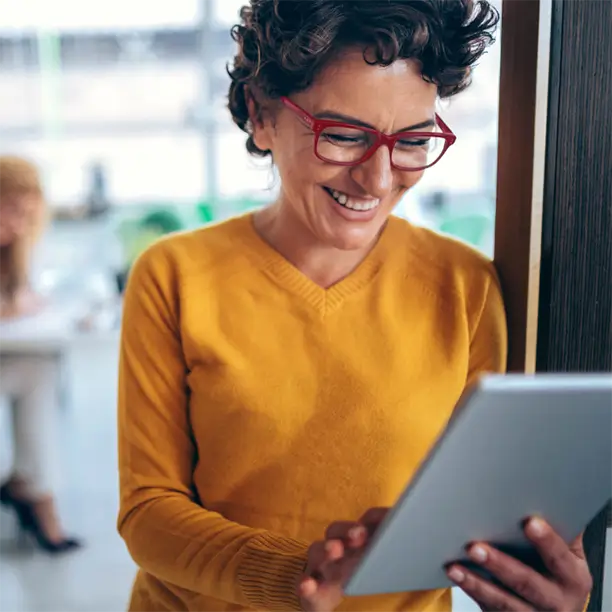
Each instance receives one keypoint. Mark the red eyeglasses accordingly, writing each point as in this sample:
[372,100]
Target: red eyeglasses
[346,144]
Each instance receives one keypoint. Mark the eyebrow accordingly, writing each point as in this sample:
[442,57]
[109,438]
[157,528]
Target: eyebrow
[357,122]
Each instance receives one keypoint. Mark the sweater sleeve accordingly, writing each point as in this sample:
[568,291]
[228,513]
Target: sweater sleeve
[489,335]
[168,534]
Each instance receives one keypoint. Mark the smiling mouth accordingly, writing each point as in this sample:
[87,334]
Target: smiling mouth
[356,204]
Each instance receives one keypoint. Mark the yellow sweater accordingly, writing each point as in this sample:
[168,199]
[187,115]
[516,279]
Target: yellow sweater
[256,407]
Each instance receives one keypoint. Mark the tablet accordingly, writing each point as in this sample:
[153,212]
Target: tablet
[516,446]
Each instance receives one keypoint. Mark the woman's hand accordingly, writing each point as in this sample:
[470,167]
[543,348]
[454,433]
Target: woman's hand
[565,589]
[332,561]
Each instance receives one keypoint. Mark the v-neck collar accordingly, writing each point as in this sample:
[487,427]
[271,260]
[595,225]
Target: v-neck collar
[290,278]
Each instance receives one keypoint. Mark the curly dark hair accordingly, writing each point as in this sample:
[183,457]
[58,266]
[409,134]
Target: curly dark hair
[284,44]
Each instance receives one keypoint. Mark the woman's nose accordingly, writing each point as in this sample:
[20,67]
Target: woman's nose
[376,175]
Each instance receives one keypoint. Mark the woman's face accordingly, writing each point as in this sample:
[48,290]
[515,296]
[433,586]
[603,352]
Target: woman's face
[17,214]
[390,99]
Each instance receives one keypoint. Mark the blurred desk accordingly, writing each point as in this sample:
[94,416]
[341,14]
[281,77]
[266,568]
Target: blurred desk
[54,330]
[54,333]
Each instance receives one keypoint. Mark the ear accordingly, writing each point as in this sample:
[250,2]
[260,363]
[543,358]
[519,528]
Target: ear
[262,128]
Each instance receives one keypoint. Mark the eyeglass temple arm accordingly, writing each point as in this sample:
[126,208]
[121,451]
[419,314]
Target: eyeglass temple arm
[443,125]
[302,115]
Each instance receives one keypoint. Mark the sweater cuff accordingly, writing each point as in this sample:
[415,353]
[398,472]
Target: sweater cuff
[270,570]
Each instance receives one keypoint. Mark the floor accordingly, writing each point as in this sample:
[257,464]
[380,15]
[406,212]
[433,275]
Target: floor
[98,578]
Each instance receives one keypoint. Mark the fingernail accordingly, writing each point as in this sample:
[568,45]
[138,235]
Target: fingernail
[308,587]
[478,554]
[355,533]
[537,527]
[456,575]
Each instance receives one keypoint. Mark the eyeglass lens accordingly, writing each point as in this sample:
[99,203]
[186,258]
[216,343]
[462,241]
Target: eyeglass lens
[350,145]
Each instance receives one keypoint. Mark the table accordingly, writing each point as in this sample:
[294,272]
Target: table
[55,332]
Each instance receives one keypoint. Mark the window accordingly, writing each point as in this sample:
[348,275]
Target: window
[113,86]
[126,102]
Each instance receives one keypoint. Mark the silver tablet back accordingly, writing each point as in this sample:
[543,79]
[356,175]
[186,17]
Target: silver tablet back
[516,446]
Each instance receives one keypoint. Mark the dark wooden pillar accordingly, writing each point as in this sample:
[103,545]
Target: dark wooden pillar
[575,301]
[553,237]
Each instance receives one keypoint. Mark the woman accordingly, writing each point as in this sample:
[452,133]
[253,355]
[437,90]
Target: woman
[28,380]
[286,369]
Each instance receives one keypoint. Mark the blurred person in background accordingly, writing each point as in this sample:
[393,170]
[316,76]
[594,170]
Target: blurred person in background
[285,372]
[29,381]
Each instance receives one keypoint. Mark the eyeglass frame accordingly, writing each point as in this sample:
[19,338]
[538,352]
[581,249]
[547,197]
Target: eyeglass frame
[318,125]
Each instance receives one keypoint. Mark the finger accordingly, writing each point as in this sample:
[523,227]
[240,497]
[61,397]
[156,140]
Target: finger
[308,587]
[373,518]
[339,530]
[317,556]
[577,547]
[488,596]
[334,549]
[326,552]
[315,596]
[326,562]
[350,532]
[518,577]
[561,562]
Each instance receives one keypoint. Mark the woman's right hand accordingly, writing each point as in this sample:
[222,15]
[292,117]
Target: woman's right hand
[332,561]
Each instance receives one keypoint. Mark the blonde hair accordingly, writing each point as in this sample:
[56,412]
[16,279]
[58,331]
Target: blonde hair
[19,178]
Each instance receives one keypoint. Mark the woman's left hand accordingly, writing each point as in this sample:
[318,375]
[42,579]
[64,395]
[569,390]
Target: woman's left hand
[565,589]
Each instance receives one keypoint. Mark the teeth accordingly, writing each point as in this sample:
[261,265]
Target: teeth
[343,199]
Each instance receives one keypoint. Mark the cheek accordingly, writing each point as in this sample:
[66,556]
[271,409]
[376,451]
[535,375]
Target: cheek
[298,167]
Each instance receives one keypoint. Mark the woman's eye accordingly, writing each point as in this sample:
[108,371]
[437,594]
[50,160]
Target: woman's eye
[343,139]
[420,142]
